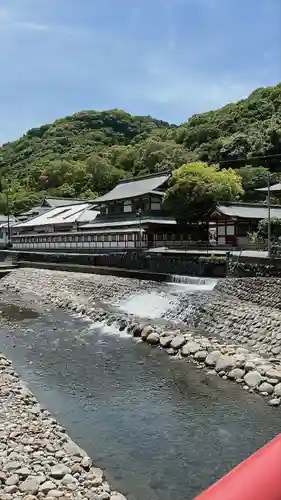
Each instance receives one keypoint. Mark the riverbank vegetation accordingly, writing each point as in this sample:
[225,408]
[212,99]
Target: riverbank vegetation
[89,152]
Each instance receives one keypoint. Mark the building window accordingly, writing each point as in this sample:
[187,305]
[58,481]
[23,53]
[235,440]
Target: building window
[104,209]
[114,237]
[155,205]
[121,237]
[130,237]
[99,237]
[106,237]
[128,206]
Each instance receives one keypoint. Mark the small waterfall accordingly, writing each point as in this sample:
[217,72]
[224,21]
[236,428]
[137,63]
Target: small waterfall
[193,282]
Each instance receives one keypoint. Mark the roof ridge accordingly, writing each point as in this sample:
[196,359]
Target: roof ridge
[147,176]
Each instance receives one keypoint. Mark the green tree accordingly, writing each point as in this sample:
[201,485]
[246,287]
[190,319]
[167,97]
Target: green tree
[275,225]
[254,178]
[196,188]
[103,176]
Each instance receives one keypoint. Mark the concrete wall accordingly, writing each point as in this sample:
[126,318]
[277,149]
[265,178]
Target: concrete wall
[191,265]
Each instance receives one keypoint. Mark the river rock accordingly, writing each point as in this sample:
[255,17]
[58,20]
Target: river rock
[236,374]
[200,355]
[47,486]
[3,477]
[86,462]
[272,373]
[117,496]
[225,363]
[253,378]
[59,471]
[249,365]
[265,387]
[190,348]
[277,391]
[137,330]
[147,330]
[178,342]
[274,402]
[14,479]
[153,338]
[212,358]
[166,341]
[30,485]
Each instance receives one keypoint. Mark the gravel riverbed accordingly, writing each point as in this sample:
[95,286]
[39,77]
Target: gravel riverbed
[37,458]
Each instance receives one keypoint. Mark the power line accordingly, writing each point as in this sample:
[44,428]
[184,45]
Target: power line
[264,157]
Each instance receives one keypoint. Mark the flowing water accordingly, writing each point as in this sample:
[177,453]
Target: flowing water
[159,427]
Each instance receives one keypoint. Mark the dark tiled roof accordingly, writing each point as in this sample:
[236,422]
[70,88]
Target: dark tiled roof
[134,187]
[249,211]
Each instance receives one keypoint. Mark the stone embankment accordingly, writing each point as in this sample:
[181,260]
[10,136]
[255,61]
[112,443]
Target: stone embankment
[38,460]
[248,312]
[216,344]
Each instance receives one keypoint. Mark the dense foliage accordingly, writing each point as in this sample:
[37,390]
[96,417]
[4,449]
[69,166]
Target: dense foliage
[196,188]
[87,153]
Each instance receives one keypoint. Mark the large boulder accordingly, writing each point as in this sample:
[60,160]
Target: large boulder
[190,348]
[225,363]
[212,358]
[253,378]
[147,330]
[153,338]
[236,374]
[178,342]
[266,387]
[200,355]
[137,330]
[166,341]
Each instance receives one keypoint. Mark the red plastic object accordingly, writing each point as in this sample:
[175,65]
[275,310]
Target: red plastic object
[257,478]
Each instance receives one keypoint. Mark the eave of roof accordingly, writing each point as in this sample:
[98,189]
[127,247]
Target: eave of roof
[274,188]
[129,223]
[247,211]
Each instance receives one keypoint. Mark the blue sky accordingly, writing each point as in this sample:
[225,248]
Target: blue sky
[166,58]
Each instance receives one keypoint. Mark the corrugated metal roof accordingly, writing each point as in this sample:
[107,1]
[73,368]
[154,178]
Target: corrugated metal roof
[250,211]
[62,215]
[132,188]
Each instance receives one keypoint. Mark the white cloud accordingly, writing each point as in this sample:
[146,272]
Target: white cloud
[9,19]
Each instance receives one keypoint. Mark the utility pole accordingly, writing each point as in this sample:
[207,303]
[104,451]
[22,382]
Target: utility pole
[139,212]
[268,216]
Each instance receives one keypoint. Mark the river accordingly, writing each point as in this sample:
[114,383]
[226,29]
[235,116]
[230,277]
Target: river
[159,427]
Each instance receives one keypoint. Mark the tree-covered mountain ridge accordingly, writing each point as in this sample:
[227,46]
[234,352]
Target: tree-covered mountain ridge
[87,153]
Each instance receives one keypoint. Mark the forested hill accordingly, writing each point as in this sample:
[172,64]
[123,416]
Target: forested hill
[88,152]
